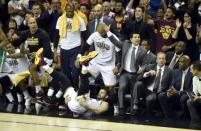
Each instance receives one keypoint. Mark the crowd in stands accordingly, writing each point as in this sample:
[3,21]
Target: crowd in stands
[91,56]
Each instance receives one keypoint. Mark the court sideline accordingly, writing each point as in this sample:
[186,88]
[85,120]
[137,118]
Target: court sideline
[18,122]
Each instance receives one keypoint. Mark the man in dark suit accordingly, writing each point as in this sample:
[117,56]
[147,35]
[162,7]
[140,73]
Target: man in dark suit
[150,58]
[132,59]
[176,94]
[42,17]
[138,25]
[155,79]
[173,57]
[99,18]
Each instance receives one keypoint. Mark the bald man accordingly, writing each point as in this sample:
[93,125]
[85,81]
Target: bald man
[176,94]
[35,38]
[100,18]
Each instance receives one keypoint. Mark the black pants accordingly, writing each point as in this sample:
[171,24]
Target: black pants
[6,83]
[60,81]
[194,109]
[68,58]
[168,103]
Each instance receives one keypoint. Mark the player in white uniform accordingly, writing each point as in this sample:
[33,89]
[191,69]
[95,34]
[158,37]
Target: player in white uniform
[104,62]
[84,105]
[15,63]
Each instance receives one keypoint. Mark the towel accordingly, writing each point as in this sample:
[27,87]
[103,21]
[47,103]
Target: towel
[63,25]
[83,16]
[19,77]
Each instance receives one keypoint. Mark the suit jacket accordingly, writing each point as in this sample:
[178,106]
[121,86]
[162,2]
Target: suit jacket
[124,46]
[177,78]
[169,57]
[166,77]
[145,30]
[107,20]
[149,59]
[43,21]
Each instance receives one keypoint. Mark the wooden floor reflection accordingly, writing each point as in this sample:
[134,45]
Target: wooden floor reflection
[18,122]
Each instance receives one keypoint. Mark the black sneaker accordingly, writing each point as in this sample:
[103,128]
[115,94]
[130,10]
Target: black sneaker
[50,101]
[121,112]
[39,95]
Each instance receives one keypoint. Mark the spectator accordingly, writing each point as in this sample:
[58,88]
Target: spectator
[79,13]
[164,31]
[155,79]
[173,57]
[99,18]
[186,32]
[55,13]
[41,16]
[17,10]
[138,25]
[106,9]
[176,94]
[150,58]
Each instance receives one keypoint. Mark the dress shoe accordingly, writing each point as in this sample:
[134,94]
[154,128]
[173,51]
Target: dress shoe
[121,111]
[133,112]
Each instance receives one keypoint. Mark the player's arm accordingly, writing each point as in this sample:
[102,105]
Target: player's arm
[3,39]
[100,109]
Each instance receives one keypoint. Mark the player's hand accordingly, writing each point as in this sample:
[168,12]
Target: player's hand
[195,98]
[116,71]
[77,63]
[178,23]
[185,25]
[106,27]
[82,101]
[166,48]
[140,70]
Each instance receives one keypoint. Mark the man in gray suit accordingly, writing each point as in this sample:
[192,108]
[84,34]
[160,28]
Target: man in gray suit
[155,79]
[99,18]
[132,59]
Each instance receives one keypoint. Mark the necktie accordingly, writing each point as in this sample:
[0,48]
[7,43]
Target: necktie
[182,81]
[173,62]
[157,81]
[132,65]
[97,23]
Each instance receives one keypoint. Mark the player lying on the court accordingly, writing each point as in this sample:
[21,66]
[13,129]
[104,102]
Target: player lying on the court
[80,103]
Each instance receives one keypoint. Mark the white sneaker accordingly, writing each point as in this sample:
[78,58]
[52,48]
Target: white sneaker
[75,114]
[28,101]
[27,109]
[38,108]
[84,69]
[116,110]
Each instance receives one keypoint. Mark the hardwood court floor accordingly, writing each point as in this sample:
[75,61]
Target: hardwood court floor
[19,122]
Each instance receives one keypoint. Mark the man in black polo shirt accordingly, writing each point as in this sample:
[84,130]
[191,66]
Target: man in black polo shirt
[35,38]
